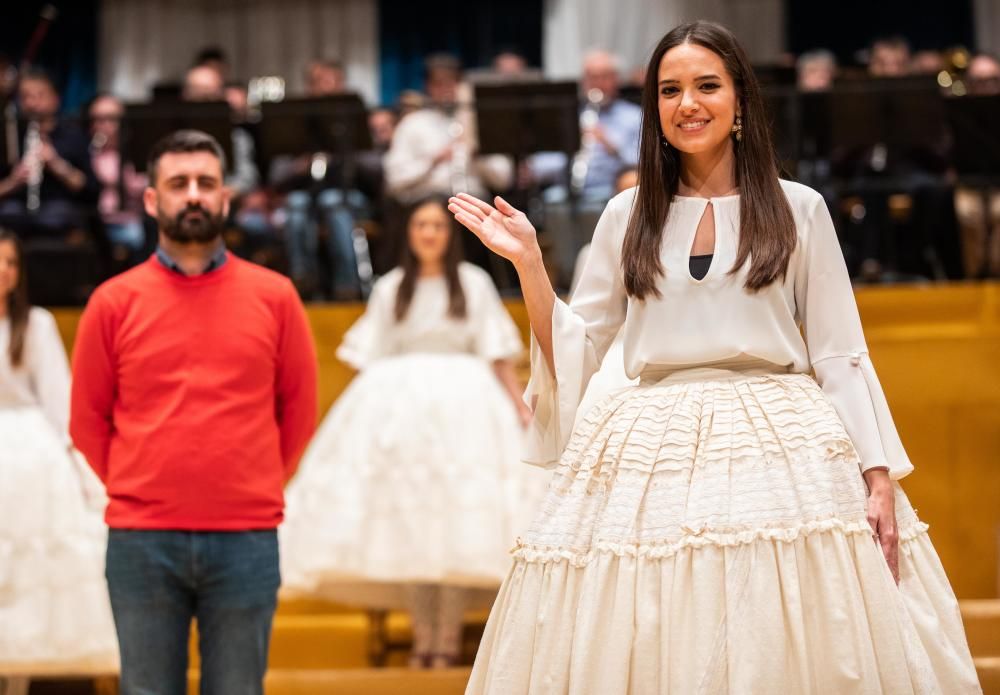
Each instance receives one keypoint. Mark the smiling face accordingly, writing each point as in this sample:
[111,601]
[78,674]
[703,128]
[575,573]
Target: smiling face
[697,100]
[429,231]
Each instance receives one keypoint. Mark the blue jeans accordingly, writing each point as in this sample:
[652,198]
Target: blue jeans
[159,580]
[339,213]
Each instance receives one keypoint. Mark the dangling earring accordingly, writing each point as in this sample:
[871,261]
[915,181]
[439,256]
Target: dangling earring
[738,129]
[666,145]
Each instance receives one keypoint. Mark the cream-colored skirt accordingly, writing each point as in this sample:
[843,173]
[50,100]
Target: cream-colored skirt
[709,536]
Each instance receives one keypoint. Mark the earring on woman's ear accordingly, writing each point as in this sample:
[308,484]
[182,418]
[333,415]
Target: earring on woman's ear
[738,128]
[663,140]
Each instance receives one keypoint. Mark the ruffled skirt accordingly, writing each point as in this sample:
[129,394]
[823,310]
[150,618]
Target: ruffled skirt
[54,609]
[710,536]
[412,478]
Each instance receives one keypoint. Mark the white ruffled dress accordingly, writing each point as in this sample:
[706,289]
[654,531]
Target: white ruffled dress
[414,475]
[55,615]
[705,530]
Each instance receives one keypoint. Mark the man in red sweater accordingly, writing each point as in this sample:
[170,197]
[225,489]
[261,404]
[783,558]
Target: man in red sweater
[194,395]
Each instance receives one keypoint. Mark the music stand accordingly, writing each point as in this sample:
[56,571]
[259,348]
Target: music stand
[521,119]
[880,116]
[976,152]
[143,125]
[905,113]
[337,124]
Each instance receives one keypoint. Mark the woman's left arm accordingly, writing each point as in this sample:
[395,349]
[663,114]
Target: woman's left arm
[839,357]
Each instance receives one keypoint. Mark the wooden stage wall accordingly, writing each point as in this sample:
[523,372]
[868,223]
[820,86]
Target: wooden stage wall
[937,351]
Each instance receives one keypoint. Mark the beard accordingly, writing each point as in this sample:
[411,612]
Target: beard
[192,225]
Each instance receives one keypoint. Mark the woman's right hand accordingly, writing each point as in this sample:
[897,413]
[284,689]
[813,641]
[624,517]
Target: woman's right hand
[504,229]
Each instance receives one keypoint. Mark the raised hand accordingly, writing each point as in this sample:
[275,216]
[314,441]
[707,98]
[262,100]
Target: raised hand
[504,229]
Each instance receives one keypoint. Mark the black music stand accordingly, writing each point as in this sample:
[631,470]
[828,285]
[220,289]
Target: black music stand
[143,125]
[520,119]
[878,117]
[336,124]
[976,153]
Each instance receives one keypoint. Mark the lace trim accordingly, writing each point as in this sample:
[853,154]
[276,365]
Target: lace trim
[721,537]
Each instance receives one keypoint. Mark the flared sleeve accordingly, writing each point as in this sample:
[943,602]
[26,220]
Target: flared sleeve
[496,334]
[837,349]
[366,340]
[49,369]
[582,332]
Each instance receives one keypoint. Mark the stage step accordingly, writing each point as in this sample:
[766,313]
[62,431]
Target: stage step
[982,626]
[388,681]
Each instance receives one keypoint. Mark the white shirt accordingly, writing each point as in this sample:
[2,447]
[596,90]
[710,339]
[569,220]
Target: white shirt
[410,172]
[42,379]
[486,331]
[807,322]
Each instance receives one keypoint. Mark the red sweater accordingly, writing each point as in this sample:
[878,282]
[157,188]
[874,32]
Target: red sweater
[193,397]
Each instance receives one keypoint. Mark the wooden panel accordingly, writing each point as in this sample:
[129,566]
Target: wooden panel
[937,351]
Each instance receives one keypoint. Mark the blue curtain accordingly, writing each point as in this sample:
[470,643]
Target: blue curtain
[472,32]
[69,50]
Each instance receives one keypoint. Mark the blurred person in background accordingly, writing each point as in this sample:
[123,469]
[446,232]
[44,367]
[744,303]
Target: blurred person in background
[54,608]
[609,141]
[51,190]
[206,83]
[816,70]
[413,504]
[120,201]
[316,194]
[889,57]
[980,237]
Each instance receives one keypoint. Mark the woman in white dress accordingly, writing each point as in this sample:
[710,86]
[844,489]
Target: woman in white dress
[54,609]
[711,529]
[412,494]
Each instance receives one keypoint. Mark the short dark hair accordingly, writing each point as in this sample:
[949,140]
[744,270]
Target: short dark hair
[39,75]
[183,141]
[210,54]
[442,61]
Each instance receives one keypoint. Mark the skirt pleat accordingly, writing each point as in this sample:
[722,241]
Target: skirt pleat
[711,537]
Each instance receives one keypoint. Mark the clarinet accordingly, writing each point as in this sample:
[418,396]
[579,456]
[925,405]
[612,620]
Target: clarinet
[33,160]
[589,118]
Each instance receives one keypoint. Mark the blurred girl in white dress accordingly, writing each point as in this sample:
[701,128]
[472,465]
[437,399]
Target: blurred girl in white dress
[412,494]
[54,609]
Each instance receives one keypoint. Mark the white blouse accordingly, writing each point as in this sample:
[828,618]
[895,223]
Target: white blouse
[42,379]
[487,330]
[807,322]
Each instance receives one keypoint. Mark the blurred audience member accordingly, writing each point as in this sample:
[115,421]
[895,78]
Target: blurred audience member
[317,194]
[49,190]
[983,75]
[927,63]
[214,57]
[980,244]
[510,63]
[205,83]
[816,71]
[609,141]
[433,151]
[120,201]
[889,57]
[325,78]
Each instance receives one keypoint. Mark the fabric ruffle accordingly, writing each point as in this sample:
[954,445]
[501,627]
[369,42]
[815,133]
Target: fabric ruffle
[54,605]
[711,537]
[413,477]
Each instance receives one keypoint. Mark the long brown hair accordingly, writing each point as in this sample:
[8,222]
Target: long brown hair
[17,302]
[411,265]
[767,229]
